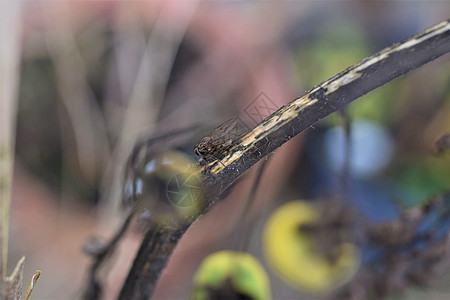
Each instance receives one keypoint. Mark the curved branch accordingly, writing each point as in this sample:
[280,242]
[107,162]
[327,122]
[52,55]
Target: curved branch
[281,126]
[324,99]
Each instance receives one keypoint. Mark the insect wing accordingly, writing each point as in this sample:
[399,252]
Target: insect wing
[216,143]
[224,133]
[227,126]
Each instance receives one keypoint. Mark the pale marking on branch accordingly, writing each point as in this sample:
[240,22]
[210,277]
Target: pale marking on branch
[275,121]
[334,85]
[435,30]
[341,81]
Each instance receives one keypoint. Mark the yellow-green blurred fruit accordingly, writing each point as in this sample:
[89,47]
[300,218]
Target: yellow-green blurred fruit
[168,185]
[292,255]
[231,275]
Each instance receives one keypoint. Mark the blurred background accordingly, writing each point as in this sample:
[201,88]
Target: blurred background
[97,76]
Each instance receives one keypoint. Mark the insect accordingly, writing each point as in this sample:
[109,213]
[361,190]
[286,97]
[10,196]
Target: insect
[214,145]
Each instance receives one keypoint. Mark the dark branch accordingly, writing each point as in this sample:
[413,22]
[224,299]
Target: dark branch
[152,257]
[285,123]
[324,99]
[94,287]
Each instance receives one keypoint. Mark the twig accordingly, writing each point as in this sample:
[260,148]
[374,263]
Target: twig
[324,99]
[88,124]
[94,288]
[151,79]
[9,78]
[150,260]
[346,176]
[33,281]
[158,241]
[248,225]
[13,283]
[281,126]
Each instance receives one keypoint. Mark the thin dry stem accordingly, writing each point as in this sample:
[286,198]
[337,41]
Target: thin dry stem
[33,281]
[148,89]
[9,63]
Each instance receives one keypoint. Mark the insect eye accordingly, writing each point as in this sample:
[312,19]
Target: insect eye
[200,151]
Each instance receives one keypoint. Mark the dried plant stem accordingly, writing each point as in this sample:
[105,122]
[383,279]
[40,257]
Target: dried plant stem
[156,247]
[33,281]
[326,98]
[85,115]
[148,90]
[285,123]
[9,67]
[94,288]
